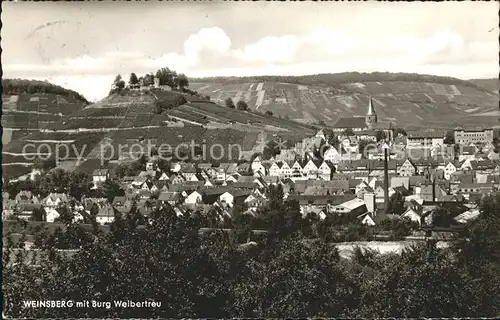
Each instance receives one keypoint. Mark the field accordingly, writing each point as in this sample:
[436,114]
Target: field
[410,102]
[34,111]
[123,120]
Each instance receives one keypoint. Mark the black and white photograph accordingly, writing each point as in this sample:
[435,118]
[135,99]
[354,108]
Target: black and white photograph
[250,159]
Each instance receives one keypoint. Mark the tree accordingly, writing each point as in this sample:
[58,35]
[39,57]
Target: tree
[242,105]
[380,135]
[332,139]
[450,137]
[400,131]
[229,103]
[271,149]
[396,204]
[364,146]
[133,79]
[119,83]
[38,214]
[148,79]
[182,81]
[166,77]
[66,216]
[496,145]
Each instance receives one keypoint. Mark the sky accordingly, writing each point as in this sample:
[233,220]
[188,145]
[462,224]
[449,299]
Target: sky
[84,45]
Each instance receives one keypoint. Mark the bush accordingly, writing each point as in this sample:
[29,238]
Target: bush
[18,86]
[169,102]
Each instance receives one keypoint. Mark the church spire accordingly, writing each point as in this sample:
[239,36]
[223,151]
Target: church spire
[371,116]
[371,111]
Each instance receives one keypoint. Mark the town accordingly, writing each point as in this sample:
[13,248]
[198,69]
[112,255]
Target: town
[328,173]
[301,159]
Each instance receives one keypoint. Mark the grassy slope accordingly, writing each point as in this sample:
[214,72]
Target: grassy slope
[409,99]
[490,84]
[133,116]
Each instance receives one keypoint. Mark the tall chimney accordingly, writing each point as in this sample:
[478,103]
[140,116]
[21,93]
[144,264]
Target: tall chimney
[386,181]
[433,188]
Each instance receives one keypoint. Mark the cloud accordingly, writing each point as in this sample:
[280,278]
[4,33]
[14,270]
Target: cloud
[270,49]
[211,52]
[321,43]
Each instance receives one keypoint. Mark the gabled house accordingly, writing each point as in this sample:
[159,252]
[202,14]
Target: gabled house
[311,169]
[275,169]
[406,168]
[188,170]
[361,188]
[331,154]
[326,170]
[193,198]
[164,177]
[449,169]
[55,199]
[177,179]
[411,215]
[99,176]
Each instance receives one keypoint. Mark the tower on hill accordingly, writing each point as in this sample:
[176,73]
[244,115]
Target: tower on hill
[371,116]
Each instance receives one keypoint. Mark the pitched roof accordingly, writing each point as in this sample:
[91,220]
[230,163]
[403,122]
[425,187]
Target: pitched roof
[100,172]
[322,200]
[169,196]
[350,123]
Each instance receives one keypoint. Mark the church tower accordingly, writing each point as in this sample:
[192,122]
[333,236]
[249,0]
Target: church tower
[371,116]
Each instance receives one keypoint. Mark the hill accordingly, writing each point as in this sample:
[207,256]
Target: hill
[28,105]
[492,85]
[410,99]
[132,118]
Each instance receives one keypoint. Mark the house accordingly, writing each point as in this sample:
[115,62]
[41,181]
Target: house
[121,204]
[311,169]
[188,170]
[425,139]
[177,179]
[331,154]
[170,197]
[411,215]
[374,218]
[426,191]
[466,137]
[449,169]
[193,198]
[309,203]
[353,207]
[25,210]
[468,188]
[25,196]
[106,214]
[164,177]
[55,199]
[467,216]
[326,170]
[361,188]
[100,175]
[406,168]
